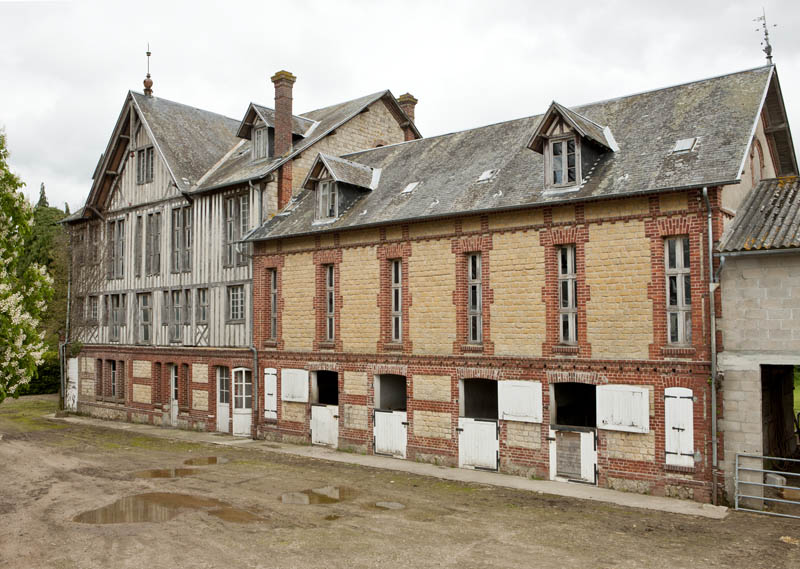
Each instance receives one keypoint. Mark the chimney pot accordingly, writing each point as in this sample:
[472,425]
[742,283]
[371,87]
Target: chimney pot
[407,102]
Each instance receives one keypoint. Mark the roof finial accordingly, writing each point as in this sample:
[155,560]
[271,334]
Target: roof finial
[148,83]
[767,46]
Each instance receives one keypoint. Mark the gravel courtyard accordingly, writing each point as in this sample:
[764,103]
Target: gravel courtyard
[75,496]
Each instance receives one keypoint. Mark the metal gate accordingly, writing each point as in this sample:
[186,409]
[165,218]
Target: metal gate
[754,486]
[478,443]
[325,425]
[391,433]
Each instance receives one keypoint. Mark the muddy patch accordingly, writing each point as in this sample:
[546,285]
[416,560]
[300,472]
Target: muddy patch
[166,473]
[325,495]
[390,505]
[204,461]
[162,507]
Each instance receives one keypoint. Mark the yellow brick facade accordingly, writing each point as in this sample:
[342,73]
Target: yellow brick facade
[298,286]
[431,281]
[517,277]
[199,400]
[619,316]
[355,382]
[141,369]
[293,411]
[673,202]
[360,314]
[200,373]
[355,416]
[432,387]
[432,425]
[564,214]
[617,208]
[142,393]
[631,446]
[523,435]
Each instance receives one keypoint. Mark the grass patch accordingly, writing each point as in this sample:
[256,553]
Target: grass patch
[26,414]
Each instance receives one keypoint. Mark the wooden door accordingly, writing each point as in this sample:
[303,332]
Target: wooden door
[478,443]
[391,433]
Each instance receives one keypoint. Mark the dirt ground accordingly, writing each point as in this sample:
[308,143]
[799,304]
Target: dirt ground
[255,509]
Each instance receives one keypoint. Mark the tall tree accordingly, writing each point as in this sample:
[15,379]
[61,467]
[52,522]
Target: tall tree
[25,289]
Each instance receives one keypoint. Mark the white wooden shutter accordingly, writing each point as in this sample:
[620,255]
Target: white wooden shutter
[519,401]
[270,393]
[294,385]
[623,408]
[679,426]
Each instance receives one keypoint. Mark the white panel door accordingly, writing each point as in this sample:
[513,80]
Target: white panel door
[478,443]
[270,393]
[71,397]
[173,394]
[588,457]
[325,425]
[242,401]
[391,433]
[679,426]
[223,399]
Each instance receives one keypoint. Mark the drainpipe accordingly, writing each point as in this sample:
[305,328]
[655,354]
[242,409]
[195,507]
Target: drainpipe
[62,347]
[712,287]
[252,334]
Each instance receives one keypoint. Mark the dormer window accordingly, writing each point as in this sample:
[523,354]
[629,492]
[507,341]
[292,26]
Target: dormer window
[327,200]
[564,171]
[260,143]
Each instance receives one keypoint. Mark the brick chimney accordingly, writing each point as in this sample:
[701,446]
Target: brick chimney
[407,102]
[283,81]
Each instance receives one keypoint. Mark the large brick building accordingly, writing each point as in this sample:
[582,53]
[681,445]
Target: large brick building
[530,296]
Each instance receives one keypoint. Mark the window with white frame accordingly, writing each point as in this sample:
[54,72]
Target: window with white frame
[567,295]
[474,299]
[237,224]
[152,261]
[93,310]
[260,143]
[327,200]
[144,332]
[242,388]
[236,303]
[202,306]
[397,299]
[116,248]
[114,379]
[679,290]
[182,239]
[224,384]
[330,303]
[144,165]
[563,162]
[273,304]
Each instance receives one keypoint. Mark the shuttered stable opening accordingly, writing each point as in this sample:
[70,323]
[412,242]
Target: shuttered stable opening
[390,392]
[478,432]
[390,420]
[479,399]
[573,434]
[575,405]
[325,390]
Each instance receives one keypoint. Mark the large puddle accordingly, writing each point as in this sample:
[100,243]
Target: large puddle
[204,461]
[326,495]
[162,507]
[166,473]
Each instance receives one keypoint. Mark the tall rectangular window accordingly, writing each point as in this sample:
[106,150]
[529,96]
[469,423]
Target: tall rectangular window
[116,248]
[563,161]
[397,299]
[182,239]
[153,246]
[144,165]
[273,304]
[114,379]
[330,303]
[237,224]
[117,316]
[144,332]
[202,305]
[474,299]
[137,246]
[260,143]
[176,316]
[567,295]
[224,384]
[94,244]
[327,202]
[679,290]
[236,303]
[94,309]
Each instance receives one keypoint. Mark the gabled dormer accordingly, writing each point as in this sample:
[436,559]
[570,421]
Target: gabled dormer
[337,184]
[570,143]
[258,126]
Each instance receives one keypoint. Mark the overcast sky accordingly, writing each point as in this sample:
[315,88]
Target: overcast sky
[67,66]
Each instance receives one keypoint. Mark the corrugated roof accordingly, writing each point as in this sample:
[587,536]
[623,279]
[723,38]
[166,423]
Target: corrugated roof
[191,139]
[721,112]
[768,220]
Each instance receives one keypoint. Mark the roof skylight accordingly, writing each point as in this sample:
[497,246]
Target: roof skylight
[684,145]
[410,188]
[487,175]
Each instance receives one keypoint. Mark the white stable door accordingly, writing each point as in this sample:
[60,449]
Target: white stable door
[325,425]
[223,400]
[478,443]
[270,393]
[173,393]
[391,433]
[242,401]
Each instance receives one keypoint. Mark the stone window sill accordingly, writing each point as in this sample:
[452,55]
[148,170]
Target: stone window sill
[327,345]
[566,349]
[393,347]
[683,469]
[678,351]
[472,348]
[271,344]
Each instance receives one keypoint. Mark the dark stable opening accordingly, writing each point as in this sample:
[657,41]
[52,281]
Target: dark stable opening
[480,399]
[575,405]
[777,410]
[327,388]
[392,392]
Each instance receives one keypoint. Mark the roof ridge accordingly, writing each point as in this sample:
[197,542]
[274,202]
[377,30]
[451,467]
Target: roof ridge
[375,95]
[302,118]
[183,105]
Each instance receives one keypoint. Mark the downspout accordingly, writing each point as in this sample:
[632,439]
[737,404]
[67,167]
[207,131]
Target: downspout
[712,287]
[62,346]
[252,335]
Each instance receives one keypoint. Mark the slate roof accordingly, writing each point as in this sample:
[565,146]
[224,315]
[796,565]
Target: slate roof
[583,125]
[300,125]
[769,219]
[721,112]
[238,167]
[345,171]
[191,139]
